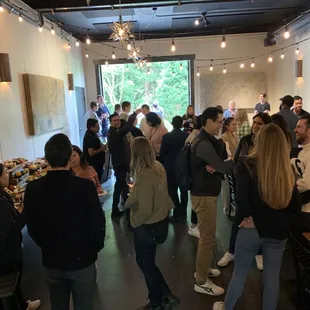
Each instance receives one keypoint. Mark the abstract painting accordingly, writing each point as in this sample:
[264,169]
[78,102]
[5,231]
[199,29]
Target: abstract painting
[45,102]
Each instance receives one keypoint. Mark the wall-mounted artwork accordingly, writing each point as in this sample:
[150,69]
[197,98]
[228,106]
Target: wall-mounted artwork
[45,102]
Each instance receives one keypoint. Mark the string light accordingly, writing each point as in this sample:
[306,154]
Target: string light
[198,73]
[88,39]
[106,62]
[181,66]
[69,46]
[286,33]
[297,50]
[129,46]
[223,44]
[224,70]
[270,59]
[86,55]
[173,46]
[211,66]
[149,71]
[253,64]
[52,30]
[77,43]
[113,54]
[242,65]
[20,18]
[1,8]
[40,29]
[282,55]
[197,22]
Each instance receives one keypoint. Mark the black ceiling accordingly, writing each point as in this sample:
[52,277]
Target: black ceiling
[166,18]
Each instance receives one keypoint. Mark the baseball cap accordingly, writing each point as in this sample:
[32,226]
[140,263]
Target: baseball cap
[287,100]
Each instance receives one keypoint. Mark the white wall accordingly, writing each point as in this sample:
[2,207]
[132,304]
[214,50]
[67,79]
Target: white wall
[245,45]
[286,82]
[35,53]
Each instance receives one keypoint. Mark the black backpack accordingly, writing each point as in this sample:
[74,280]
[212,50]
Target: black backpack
[182,171]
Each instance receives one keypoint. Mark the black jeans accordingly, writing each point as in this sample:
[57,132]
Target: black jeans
[120,186]
[18,293]
[180,209]
[145,247]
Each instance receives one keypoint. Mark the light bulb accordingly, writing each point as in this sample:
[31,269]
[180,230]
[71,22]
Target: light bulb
[270,59]
[173,46]
[69,46]
[113,56]
[1,8]
[181,66]
[149,71]
[129,46]
[223,44]
[253,64]
[211,66]
[20,18]
[297,50]
[224,71]
[40,29]
[198,73]
[242,65]
[77,43]
[88,41]
[52,30]
[282,55]
[86,55]
[121,32]
[106,62]
[286,33]
[197,22]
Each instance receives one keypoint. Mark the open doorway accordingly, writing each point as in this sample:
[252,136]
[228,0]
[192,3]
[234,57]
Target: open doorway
[162,85]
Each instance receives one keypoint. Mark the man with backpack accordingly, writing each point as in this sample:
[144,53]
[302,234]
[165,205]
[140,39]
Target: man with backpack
[207,165]
[171,144]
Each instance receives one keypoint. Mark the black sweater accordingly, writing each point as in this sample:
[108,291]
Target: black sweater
[65,220]
[270,223]
[11,223]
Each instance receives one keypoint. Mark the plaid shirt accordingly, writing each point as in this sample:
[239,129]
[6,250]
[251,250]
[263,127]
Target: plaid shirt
[244,130]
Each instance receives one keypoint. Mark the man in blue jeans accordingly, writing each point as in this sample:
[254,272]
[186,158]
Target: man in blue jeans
[66,221]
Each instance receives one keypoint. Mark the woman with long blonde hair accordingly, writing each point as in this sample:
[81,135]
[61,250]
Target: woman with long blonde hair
[243,124]
[267,198]
[150,204]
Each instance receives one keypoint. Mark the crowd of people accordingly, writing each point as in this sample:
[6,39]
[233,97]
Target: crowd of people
[267,163]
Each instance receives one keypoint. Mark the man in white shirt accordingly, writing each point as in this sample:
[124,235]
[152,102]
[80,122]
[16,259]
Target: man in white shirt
[126,107]
[302,169]
[144,127]
[91,113]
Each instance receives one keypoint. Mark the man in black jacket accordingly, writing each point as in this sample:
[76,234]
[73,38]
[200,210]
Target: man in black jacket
[171,144]
[208,162]
[120,151]
[66,221]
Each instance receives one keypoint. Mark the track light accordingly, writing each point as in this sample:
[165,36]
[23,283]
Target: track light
[282,55]
[224,70]
[198,73]
[129,46]
[211,66]
[242,65]
[223,44]
[173,46]
[297,50]
[52,30]
[20,18]
[286,33]
[253,64]
[113,54]
[77,43]
[197,22]
[270,59]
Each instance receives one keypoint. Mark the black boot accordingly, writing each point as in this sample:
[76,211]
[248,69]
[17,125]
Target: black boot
[116,212]
[170,302]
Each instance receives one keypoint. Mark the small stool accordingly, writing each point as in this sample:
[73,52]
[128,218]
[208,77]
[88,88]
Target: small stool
[7,290]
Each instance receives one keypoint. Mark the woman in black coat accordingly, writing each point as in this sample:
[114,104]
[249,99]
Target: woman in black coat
[11,222]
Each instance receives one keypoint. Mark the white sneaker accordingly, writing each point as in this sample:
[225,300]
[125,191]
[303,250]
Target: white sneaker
[194,232]
[259,262]
[209,288]
[33,305]
[219,305]
[213,273]
[226,259]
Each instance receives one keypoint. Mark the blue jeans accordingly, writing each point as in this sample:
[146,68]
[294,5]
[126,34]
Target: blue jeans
[247,246]
[81,283]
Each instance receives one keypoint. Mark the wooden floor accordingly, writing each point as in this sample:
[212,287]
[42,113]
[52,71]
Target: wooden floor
[120,284]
